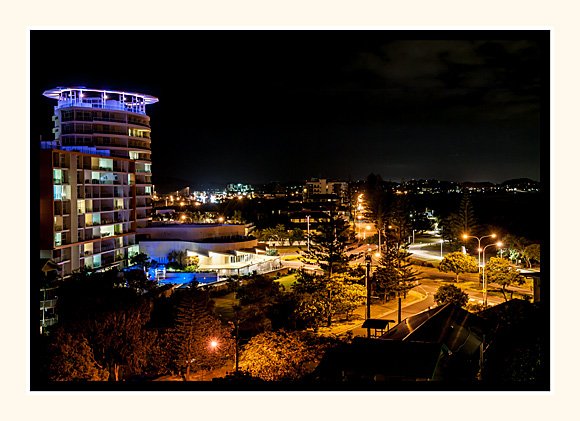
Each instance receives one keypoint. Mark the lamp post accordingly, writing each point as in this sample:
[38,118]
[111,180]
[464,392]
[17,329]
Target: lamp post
[308,231]
[368,259]
[442,248]
[484,280]
[465,237]
[379,249]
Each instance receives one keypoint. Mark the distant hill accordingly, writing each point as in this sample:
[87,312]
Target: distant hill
[520,183]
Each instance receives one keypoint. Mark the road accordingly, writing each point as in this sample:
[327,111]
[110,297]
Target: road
[428,283]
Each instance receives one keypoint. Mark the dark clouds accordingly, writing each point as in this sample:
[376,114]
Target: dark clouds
[255,106]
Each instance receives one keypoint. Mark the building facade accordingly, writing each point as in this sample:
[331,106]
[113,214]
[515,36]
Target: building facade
[223,248]
[323,186]
[95,178]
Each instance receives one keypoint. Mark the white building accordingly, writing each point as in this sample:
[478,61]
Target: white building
[221,247]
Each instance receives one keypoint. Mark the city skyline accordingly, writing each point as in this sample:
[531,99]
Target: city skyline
[257,107]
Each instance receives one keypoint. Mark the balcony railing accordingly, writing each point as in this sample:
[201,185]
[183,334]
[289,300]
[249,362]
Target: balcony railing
[96,103]
[50,321]
[47,303]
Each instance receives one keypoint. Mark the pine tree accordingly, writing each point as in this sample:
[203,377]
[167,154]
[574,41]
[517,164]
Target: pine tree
[196,329]
[377,200]
[328,246]
[466,221]
[395,274]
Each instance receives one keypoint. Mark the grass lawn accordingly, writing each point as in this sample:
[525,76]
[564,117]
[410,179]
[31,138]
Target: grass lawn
[288,249]
[491,291]
[224,306]
[287,281]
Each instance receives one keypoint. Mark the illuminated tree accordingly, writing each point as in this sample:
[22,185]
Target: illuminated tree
[328,245]
[198,339]
[71,358]
[458,263]
[531,253]
[276,356]
[321,299]
[111,317]
[502,272]
[394,274]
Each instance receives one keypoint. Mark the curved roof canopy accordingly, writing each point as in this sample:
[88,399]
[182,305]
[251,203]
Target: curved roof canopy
[58,91]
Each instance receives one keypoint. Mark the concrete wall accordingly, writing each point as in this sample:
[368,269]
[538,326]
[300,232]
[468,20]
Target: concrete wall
[191,232]
[224,246]
[158,250]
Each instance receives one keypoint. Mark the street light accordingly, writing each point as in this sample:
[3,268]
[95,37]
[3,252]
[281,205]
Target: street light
[499,244]
[442,248]
[465,237]
[379,229]
[368,260]
[308,229]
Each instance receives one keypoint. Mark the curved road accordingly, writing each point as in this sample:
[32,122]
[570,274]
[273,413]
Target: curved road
[429,280]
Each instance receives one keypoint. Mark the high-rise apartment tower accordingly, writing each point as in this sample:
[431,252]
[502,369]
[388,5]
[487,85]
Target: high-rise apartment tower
[95,177]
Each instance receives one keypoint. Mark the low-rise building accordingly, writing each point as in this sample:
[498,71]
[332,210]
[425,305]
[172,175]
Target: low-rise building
[221,247]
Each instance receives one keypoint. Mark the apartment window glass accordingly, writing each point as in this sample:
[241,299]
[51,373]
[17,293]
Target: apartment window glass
[57,192]
[57,239]
[57,176]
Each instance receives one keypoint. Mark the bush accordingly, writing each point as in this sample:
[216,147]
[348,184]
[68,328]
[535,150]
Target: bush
[474,307]
[451,294]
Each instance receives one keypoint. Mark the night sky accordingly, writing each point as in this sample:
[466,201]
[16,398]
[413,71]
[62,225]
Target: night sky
[259,106]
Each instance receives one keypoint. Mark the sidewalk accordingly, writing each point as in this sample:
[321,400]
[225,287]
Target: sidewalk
[378,311]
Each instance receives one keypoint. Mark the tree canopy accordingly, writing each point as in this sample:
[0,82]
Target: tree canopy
[328,246]
[451,294]
[502,272]
[320,299]
[458,263]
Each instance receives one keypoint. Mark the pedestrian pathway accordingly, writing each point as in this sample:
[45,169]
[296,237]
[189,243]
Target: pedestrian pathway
[378,311]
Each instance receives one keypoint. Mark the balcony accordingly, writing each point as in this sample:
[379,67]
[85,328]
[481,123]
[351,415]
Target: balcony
[100,104]
[49,321]
[113,120]
[47,303]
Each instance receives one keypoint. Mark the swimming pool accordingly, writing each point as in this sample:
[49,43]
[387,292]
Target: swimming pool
[185,277]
